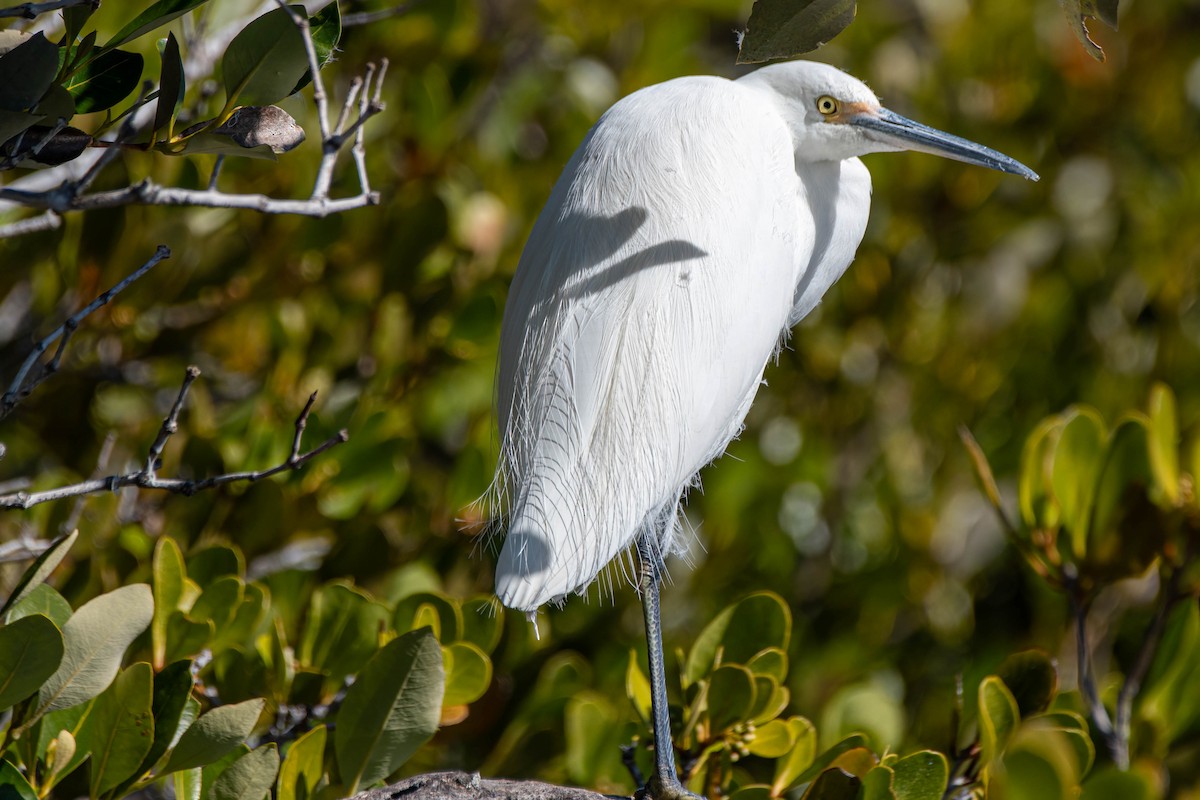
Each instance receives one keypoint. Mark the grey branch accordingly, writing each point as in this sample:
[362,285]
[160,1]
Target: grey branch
[73,195]
[469,786]
[34,10]
[147,477]
[23,383]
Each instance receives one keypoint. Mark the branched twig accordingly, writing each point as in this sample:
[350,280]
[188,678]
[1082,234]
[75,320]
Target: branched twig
[23,384]
[34,10]
[1087,678]
[147,478]
[72,195]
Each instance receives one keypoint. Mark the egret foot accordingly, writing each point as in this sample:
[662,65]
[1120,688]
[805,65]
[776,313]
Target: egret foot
[671,789]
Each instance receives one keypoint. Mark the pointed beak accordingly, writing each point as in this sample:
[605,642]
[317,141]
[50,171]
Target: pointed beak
[905,134]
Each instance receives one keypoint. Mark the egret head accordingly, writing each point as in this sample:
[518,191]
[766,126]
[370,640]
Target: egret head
[833,115]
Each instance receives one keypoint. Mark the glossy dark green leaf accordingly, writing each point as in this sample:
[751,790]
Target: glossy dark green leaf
[171,87]
[250,777]
[1032,677]
[834,784]
[43,565]
[265,61]
[95,639]
[74,18]
[13,784]
[105,80]
[920,776]
[391,710]
[42,600]
[739,633]
[215,734]
[26,72]
[155,16]
[30,651]
[786,28]
[730,698]
[119,731]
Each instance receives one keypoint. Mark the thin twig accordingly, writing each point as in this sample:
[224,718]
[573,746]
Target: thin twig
[146,478]
[1145,658]
[1087,679]
[46,221]
[216,173]
[34,10]
[22,385]
[370,17]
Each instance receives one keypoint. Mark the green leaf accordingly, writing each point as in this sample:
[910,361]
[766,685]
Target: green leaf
[13,785]
[303,767]
[877,784]
[13,123]
[188,784]
[325,28]
[51,728]
[250,777]
[44,564]
[1111,783]
[215,734]
[185,637]
[1032,678]
[787,28]
[447,618]
[771,662]
[798,760]
[772,740]
[730,696]
[26,72]
[30,651]
[589,720]
[171,88]
[482,623]
[74,18]
[770,699]
[1127,530]
[265,61]
[342,631]
[248,619]
[105,80]
[169,708]
[1077,459]
[119,730]
[921,776]
[169,574]
[834,784]
[1033,488]
[1164,441]
[637,688]
[739,633]
[218,602]
[219,144]
[999,716]
[468,673]
[95,639]
[205,566]
[45,601]
[155,16]
[391,710]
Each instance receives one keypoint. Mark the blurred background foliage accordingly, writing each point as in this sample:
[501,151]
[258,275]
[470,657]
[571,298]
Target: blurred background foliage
[976,299]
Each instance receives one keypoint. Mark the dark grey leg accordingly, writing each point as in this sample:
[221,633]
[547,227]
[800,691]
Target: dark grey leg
[664,784]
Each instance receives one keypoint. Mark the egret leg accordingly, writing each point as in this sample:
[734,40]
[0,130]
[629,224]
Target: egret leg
[664,784]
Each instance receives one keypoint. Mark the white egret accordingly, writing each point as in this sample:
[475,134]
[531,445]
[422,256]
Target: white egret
[697,222]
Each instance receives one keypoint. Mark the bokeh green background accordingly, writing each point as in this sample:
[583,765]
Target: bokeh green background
[976,299]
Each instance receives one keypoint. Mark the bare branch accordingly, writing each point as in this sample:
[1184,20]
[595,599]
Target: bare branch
[34,10]
[1086,675]
[146,478]
[46,221]
[22,384]
[72,195]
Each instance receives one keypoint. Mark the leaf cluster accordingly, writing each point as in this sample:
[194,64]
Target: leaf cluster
[198,680]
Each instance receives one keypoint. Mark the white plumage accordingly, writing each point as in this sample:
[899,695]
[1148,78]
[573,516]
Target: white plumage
[697,222]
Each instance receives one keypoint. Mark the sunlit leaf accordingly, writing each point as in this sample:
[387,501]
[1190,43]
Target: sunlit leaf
[391,710]
[37,572]
[120,729]
[215,734]
[1164,441]
[999,716]
[155,16]
[921,776]
[250,777]
[105,81]
[265,61]
[303,766]
[1077,458]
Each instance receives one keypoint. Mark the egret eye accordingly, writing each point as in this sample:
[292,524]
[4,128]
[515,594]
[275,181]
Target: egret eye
[827,105]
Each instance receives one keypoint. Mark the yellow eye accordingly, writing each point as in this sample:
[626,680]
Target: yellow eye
[827,105]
